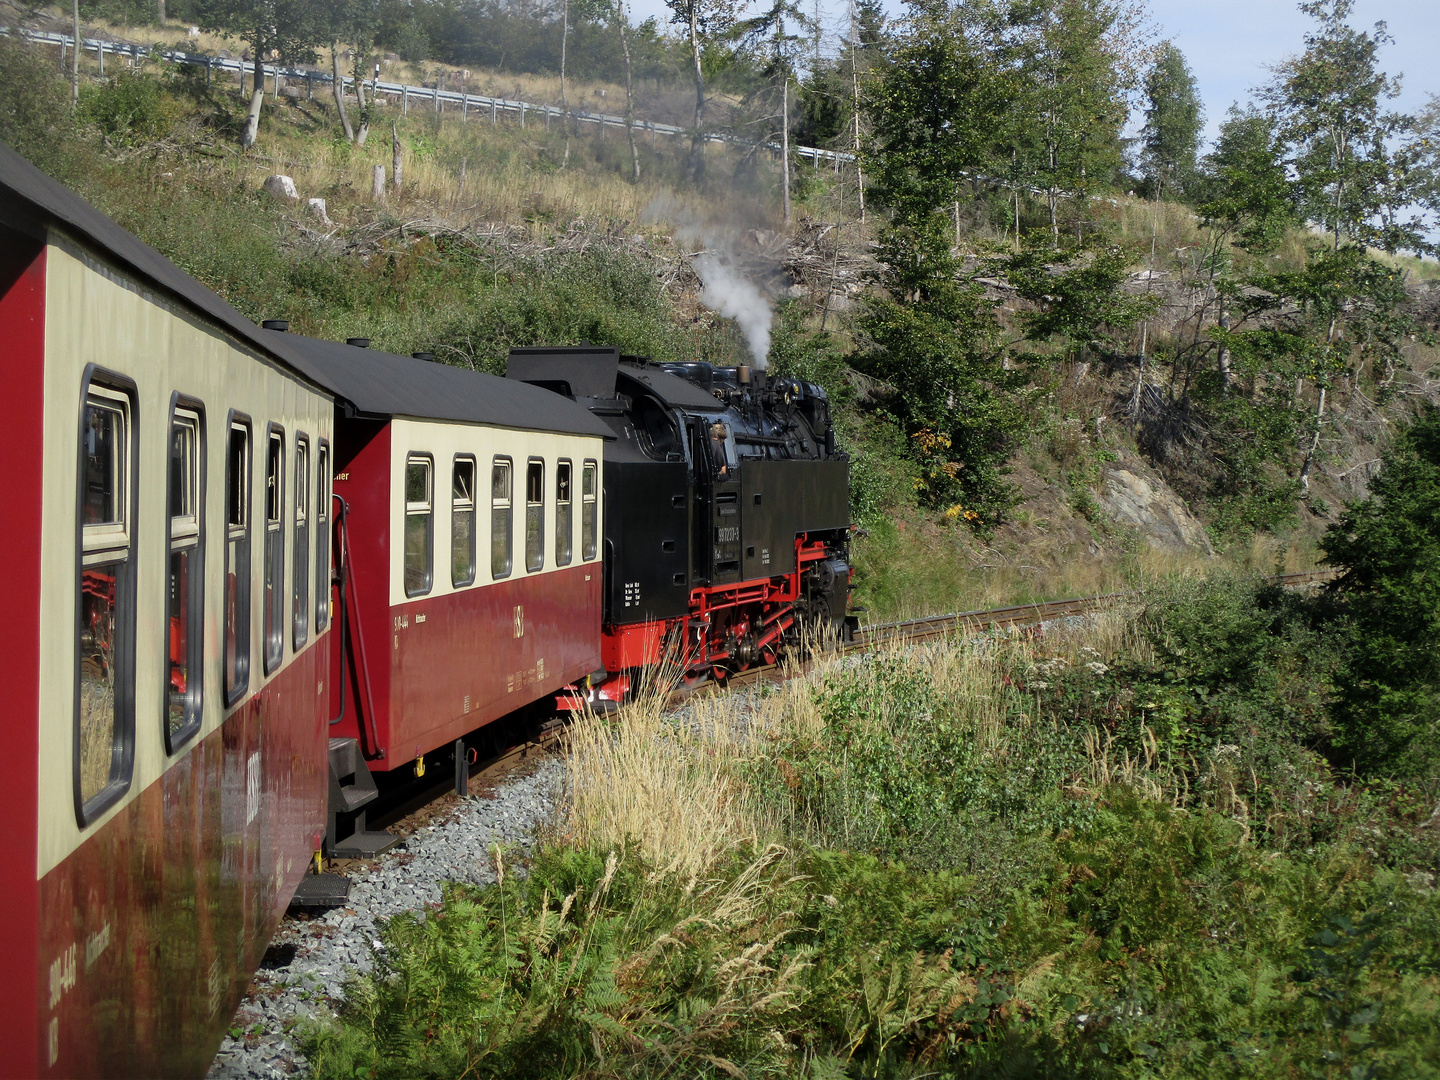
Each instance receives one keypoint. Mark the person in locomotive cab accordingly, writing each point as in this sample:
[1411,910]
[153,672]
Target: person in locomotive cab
[719,436]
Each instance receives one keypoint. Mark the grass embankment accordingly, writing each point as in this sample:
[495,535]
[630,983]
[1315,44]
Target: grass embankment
[530,252]
[1108,853]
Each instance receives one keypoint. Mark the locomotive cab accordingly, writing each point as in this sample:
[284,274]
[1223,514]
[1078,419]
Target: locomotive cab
[727,508]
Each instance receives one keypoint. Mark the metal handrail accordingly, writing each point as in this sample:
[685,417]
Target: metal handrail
[404,91]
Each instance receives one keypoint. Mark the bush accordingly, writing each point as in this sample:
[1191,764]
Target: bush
[130,107]
[34,107]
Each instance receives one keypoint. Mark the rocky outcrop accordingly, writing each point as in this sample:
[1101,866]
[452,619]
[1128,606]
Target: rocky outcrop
[1134,494]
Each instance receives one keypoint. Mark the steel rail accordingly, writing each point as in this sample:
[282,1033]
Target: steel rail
[1025,614]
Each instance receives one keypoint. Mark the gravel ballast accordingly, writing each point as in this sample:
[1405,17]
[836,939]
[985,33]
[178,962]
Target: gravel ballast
[305,984]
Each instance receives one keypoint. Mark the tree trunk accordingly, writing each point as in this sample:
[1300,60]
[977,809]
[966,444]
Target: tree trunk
[339,87]
[363,132]
[1224,358]
[377,184]
[564,85]
[160,12]
[629,94]
[855,110]
[1314,446]
[785,145]
[75,59]
[697,140]
[257,99]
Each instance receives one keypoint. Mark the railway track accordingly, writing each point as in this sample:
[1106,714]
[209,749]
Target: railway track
[418,804]
[1023,614]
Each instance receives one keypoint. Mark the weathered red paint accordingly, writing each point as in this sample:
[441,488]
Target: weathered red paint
[150,930]
[438,667]
[22,388]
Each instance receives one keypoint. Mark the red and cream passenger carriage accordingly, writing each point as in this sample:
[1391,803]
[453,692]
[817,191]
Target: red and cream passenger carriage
[468,543]
[166,622]
[168,627]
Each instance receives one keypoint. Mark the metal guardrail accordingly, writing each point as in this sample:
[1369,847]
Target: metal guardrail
[432,95]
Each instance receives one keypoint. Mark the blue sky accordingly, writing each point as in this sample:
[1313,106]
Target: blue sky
[1230,43]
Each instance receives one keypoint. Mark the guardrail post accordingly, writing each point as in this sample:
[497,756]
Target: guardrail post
[405,99]
[522,115]
[493,120]
[100,53]
[464,107]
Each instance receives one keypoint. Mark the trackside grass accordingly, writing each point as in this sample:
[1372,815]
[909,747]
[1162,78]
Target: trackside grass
[1075,855]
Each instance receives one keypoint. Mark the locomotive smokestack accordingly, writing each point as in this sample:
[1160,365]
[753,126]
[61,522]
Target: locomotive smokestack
[742,375]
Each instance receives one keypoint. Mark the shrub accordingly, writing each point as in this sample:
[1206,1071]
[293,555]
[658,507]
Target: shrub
[130,107]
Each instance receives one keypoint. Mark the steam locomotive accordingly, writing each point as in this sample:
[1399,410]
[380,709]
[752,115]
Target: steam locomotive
[727,511]
[254,577]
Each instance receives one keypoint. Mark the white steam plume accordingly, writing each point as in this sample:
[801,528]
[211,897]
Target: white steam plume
[732,294]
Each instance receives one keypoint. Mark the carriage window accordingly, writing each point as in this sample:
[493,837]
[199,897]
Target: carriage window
[500,532]
[587,511]
[300,606]
[274,549]
[237,561]
[184,626]
[462,522]
[419,525]
[104,654]
[322,537]
[534,515]
[563,544]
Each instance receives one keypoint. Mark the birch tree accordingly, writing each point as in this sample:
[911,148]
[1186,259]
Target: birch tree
[286,29]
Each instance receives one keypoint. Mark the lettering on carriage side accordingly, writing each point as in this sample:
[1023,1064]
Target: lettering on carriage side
[95,944]
[342,476]
[419,617]
[252,787]
[62,975]
[467,703]
[727,534]
[54,1041]
[632,594]
[519,620]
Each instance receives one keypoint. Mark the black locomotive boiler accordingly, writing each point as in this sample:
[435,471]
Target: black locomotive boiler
[727,510]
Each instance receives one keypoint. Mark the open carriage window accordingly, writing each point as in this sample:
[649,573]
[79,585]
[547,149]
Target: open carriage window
[300,591]
[588,485]
[237,559]
[105,609]
[462,522]
[501,560]
[419,524]
[274,549]
[534,515]
[564,473]
[185,578]
[322,537]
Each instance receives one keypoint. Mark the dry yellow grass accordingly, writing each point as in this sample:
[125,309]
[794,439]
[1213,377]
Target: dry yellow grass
[674,783]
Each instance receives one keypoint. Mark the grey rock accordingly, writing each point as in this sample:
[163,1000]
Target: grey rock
[1134,494]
